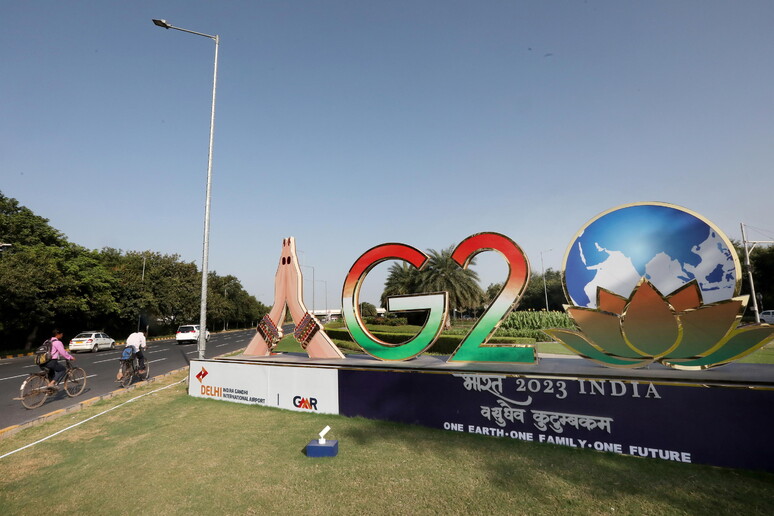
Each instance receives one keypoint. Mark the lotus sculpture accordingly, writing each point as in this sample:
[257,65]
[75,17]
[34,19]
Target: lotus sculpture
[678,330]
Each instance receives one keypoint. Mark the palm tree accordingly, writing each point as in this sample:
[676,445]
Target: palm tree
[442,273]
[401,281]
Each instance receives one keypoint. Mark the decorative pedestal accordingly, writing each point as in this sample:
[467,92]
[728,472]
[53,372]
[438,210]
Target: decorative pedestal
[329,449]
[721,417]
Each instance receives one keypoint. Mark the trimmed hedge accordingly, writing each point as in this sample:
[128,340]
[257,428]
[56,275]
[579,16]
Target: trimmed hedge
[387,321]
[445,345]
[537,335]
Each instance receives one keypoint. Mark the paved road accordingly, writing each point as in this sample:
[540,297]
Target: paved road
[163,356]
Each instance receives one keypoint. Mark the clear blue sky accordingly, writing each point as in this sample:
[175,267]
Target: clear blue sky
[352,123]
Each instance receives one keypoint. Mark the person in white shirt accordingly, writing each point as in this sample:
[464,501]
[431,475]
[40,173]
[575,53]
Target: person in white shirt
[137,341]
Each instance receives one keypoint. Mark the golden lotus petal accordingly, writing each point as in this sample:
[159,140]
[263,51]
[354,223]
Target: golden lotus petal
[610,302]
[705,328]
[686,297]
[579,344]
[649,324]
[603,330]
[737,344]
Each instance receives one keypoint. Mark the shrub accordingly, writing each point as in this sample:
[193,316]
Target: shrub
[535,320]
[386,321]
[445,345]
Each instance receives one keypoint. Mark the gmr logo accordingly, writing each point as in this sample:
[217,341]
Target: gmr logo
[304,403]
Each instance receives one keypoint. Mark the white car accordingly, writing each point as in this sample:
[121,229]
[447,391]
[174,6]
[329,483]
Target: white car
[190,333]
[91,341]
[767,316]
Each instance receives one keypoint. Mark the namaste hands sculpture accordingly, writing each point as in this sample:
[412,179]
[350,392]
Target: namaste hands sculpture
[288,295]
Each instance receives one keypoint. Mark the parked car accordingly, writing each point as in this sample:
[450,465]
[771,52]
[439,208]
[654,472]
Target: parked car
[767,316]
[190,333]
[91,341]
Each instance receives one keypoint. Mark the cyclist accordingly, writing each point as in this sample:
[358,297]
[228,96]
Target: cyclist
[138,342]
[57,351]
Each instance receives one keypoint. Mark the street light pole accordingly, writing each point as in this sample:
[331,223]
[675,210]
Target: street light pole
[142,280]
[206,243]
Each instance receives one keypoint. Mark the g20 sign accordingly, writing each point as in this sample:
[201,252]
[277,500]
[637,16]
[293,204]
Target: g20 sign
[474,347]
[647,282]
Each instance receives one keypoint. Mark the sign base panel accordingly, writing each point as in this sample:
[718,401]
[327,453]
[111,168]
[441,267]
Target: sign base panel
[719,416]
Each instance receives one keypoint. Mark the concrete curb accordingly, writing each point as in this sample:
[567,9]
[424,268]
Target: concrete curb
[17,356]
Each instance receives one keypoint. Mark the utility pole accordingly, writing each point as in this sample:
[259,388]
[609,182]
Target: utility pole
[142,280]
[747,251]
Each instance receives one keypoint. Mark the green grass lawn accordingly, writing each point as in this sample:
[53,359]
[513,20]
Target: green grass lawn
[169,453]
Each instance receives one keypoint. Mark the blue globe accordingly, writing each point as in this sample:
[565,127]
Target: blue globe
[664,243]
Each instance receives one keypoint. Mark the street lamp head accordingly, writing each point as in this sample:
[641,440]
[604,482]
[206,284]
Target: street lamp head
[162,23]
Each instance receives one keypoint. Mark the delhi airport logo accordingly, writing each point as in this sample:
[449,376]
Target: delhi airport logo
[201,374]
[654,282]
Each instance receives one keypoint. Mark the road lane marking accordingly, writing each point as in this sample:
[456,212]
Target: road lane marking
[12,377]
[101,361]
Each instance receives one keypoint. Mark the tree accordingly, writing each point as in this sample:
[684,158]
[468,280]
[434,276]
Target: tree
[443,274]
[367,309]
[534,297]
[27,293]
[763,275]
[762,265]
[46,281]
[440,274]
[41,286]
[229,303]
[492,291]
[20,227]
[402,280]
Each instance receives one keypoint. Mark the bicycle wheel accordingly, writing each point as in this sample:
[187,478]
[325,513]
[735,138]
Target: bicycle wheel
[127,372]
[146,374]
[75,381]
[34,391]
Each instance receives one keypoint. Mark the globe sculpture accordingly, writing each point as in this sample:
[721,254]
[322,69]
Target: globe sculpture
[667,245]
[654,282]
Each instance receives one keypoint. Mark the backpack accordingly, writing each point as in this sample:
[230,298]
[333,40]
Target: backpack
[43,353]
[127,353]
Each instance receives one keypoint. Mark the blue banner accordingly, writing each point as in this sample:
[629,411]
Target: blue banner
[722,426]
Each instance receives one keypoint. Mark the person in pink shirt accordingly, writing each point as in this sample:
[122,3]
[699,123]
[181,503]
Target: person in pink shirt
[57,351]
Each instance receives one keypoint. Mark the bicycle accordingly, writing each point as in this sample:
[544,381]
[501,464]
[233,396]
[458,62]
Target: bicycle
[130,369]
[34,389]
